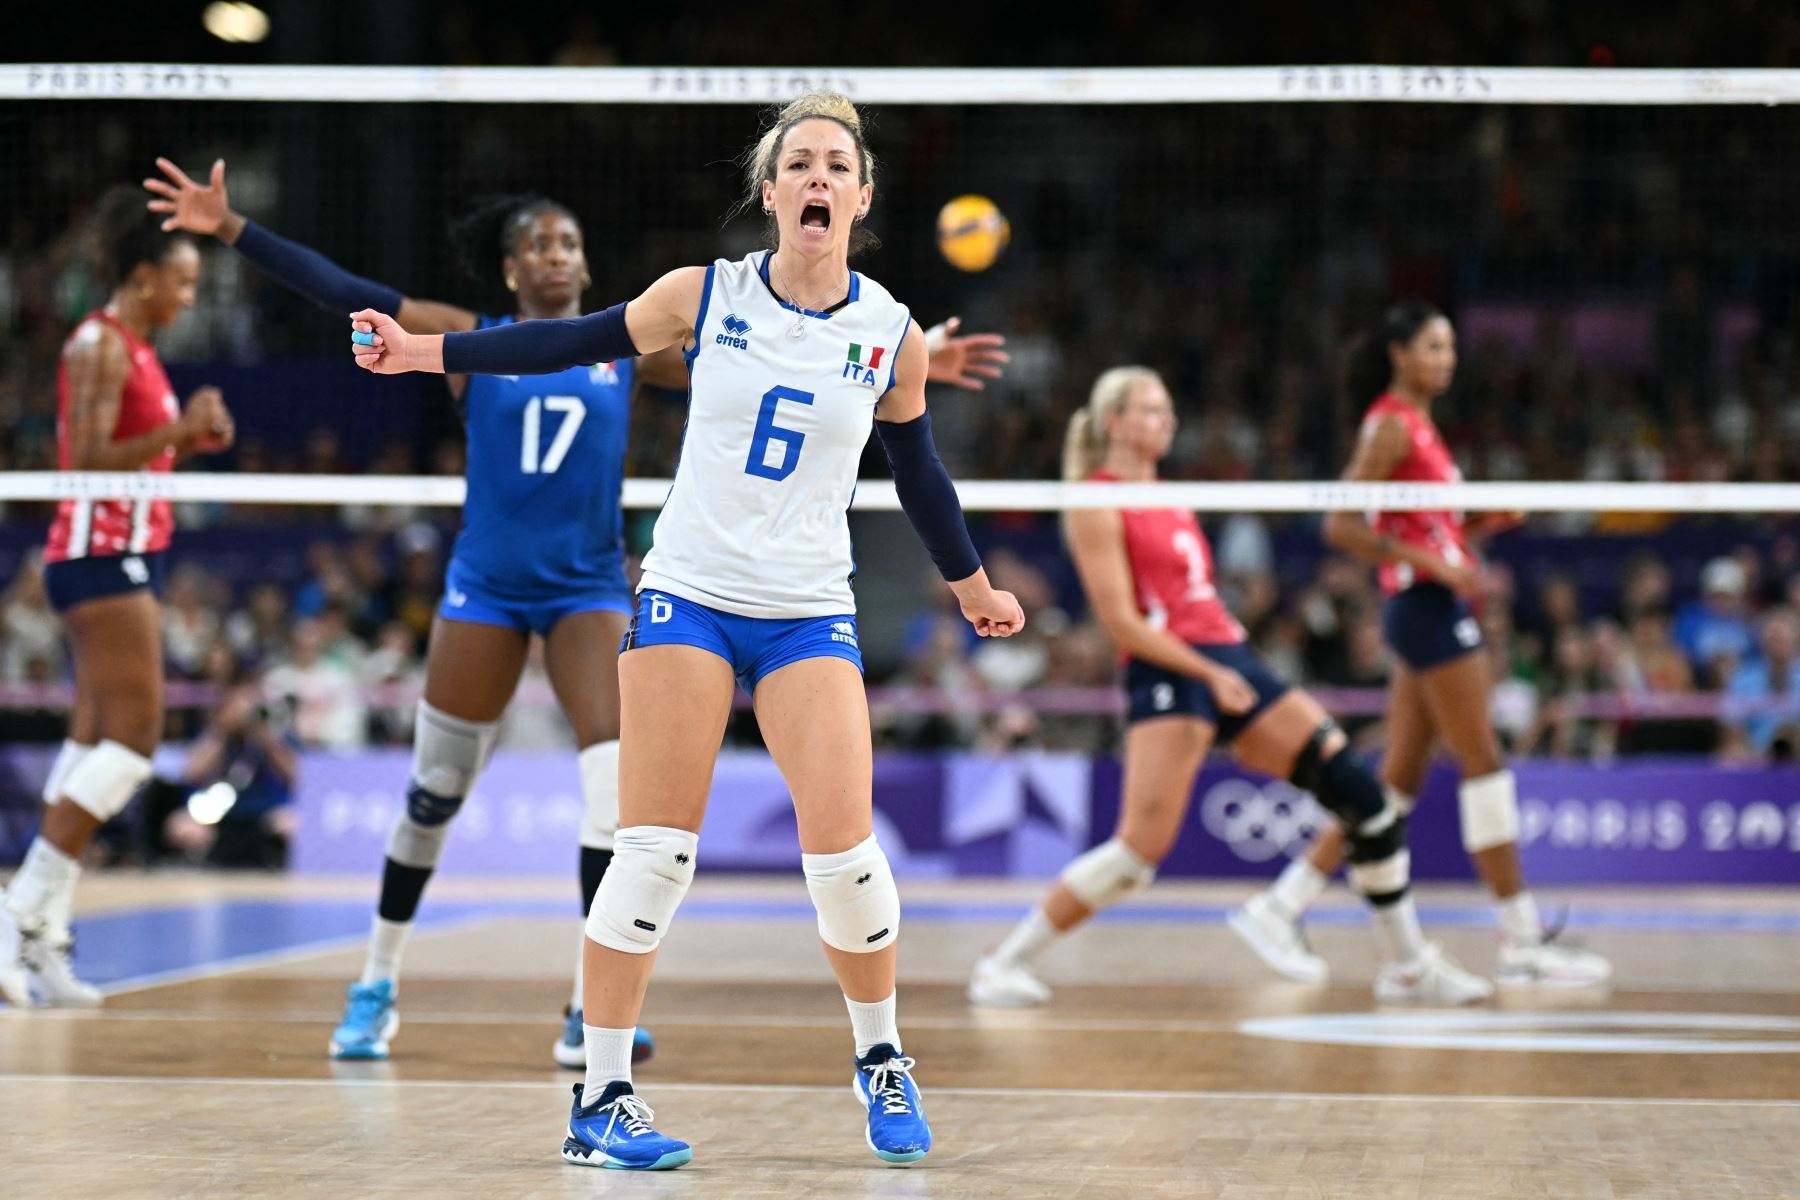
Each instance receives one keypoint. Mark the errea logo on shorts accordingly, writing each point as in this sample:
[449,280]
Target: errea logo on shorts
[843,631]
[135,570]
[1468,632]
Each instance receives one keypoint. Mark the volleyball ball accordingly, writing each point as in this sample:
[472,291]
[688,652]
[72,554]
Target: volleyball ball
[971,232]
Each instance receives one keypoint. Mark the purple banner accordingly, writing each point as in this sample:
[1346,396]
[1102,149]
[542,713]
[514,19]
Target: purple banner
[1025,815]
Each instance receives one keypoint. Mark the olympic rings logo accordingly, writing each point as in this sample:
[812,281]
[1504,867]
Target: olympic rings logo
[1260,822]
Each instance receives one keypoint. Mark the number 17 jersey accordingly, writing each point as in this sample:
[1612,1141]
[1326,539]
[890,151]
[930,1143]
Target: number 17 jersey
[546,466]
[757,520]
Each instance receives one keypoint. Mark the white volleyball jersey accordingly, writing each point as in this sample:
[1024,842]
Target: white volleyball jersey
[757,522]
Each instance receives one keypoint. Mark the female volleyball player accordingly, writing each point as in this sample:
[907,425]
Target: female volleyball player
[104,571]
[540,550]
[790,356]
[1440,684]
[1193,682]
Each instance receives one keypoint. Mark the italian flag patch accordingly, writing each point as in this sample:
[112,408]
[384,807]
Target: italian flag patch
[866,356]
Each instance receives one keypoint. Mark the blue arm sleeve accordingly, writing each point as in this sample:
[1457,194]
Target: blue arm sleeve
[540,347]
[306,271]
[928,497]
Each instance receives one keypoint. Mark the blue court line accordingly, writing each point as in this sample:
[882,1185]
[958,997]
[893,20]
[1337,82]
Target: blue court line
[138,947]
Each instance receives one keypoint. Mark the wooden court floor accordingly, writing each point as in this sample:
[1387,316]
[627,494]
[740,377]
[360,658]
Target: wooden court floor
[1168,1065]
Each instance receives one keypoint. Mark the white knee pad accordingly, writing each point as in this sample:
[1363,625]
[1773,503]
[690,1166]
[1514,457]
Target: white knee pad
[600,795]
[66,758]
[854,894]
[449,752]
[1107,874]
[1490,811]
[106,779]
[651,869]
[414,845]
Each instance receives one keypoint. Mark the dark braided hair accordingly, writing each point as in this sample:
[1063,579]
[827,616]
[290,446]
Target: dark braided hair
[1370,370]
[126,234]
[484,234]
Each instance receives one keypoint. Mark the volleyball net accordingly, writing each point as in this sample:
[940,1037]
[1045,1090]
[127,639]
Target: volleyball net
[1616,247]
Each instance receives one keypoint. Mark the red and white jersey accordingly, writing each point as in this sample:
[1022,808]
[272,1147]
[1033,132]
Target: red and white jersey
[97,528]
[1427,461]
[1172,571]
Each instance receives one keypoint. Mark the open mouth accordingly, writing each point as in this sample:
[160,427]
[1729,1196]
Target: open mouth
[815,217]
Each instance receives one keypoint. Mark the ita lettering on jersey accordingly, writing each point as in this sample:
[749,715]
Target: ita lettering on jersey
[757,520]
[863,363]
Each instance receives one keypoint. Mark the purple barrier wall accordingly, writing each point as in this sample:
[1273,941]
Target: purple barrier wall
[1026,814]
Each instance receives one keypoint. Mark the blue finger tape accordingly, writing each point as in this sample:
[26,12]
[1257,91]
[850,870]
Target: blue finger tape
[362,339]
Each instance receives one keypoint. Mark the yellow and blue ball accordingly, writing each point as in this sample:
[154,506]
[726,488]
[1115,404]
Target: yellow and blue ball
[971,232]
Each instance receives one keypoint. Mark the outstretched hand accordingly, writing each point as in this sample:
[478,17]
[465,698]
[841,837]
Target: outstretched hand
[191,207]
[965,361]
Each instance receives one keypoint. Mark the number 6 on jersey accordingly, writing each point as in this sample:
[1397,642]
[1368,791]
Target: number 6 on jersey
[768,431]
[574,412]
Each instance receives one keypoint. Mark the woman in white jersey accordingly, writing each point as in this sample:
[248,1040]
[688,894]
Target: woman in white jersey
[791,357]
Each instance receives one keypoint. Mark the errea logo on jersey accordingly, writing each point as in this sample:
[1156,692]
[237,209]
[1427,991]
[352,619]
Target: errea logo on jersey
[735,329]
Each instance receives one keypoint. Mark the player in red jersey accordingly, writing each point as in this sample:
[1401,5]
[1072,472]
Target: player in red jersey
[1440,686]
[1192,682]
[103,570]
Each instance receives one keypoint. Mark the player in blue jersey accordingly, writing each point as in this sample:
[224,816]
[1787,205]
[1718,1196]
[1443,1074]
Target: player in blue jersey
[792,359]
[540,550]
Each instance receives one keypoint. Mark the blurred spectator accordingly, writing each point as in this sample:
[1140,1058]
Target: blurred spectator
[190,625]
[31,645]
[241,772]
[1714,631]
[258,632]
[321,697]
[1775,673]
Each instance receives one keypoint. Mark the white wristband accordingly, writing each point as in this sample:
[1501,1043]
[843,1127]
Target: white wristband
[936,337]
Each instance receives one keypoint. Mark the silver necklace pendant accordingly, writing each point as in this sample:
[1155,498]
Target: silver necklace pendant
[797,330]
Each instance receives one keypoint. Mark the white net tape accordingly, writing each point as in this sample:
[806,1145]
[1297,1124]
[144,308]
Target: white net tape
[754,85]
[876,495]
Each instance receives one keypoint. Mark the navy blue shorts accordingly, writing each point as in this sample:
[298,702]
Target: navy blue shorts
[467,597]
[1428,625]
[1159,692]
[754,646]
[78,580]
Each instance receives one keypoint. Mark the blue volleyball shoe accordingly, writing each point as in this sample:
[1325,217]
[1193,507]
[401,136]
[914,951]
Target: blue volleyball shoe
[897,1130]
[370,1021]
[570,1050]
[614,1131]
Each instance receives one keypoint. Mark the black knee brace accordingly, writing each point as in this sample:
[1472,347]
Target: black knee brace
[1343,785]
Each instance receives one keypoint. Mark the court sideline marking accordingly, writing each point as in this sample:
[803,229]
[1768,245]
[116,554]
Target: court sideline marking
[833,1089]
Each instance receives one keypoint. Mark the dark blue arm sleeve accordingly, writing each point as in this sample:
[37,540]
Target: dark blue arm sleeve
[314,276]
[928,497]
[540,347]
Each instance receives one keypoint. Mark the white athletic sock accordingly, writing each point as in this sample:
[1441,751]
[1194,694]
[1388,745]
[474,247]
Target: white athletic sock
[387,942]
[580,968]
[1298,885]
[874,1023]
[1028,938]
[1397,930]
[1519,919]
[44,885]
[608,1059]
